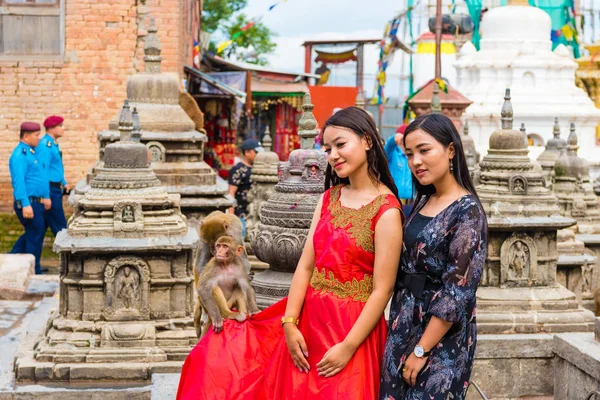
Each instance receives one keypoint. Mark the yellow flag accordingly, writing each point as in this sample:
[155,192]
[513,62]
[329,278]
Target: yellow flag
[224,45]
[568,32]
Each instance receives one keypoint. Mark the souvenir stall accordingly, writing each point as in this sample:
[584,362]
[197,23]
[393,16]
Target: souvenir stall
[221,97]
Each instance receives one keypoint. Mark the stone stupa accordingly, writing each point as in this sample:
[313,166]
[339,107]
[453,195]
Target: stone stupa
[553,149]
[126,282]
[264,178]
[176,147]
[286,217]
[577,200]
[516,52]
[519,300]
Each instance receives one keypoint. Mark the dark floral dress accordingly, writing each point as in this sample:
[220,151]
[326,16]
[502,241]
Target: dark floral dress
[451,249]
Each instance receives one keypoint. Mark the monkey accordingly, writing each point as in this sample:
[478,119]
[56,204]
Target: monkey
[212,227]
[223,284]
[597,302]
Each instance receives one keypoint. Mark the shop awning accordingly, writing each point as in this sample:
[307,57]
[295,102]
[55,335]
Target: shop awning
[261,87]
[222,87]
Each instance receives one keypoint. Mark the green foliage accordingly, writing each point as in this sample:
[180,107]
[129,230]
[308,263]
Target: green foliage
[258,36]
[217,11]
[223,16]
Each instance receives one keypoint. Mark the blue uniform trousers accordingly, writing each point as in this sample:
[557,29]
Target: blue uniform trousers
[32,240]
[55,216]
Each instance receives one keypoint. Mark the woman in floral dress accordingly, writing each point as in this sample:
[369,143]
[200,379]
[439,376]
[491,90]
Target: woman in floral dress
[331,343]
[432,332]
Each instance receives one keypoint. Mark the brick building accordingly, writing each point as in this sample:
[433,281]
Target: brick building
[72,58]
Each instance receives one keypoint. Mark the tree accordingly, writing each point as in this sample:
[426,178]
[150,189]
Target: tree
[223,16]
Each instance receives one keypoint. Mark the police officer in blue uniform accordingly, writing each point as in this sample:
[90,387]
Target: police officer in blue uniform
[50,156]
[31,193]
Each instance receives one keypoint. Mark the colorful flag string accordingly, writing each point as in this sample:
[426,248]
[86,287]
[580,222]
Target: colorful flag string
[225,44]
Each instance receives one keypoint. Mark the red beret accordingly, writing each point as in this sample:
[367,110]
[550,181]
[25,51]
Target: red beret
[401,129]
[30,126]
[52,121]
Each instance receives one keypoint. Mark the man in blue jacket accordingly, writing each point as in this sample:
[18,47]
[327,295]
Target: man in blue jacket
[398,164]
[50,156]
[31,193]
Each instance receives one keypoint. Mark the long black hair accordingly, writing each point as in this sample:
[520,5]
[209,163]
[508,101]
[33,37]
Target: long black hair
[362,124]
[443,130]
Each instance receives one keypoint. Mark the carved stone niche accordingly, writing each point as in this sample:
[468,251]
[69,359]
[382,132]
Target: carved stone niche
[126,289]
[158,153]
[128,217]
[518,185]
[518,261]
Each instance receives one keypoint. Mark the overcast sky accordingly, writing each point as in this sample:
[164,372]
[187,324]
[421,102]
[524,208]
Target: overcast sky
[296,21]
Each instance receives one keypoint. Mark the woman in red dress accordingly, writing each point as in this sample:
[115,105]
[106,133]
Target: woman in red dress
[333,334]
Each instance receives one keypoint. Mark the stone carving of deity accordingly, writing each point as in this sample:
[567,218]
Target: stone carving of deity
[519,259]
[155,153]
[128,285]
[128,215]
[586,278]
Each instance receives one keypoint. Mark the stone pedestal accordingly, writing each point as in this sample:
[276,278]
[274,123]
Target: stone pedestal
[264,178]
[519,299]
[126,282]
[176,148]
[15,271]
[577,364]
[286,216]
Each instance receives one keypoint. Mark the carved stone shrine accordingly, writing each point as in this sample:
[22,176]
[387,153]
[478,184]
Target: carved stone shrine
[519,292]
[176,147]
[548,158]
[577,200]
[126,282]
[469,148]
[286,216]
[519,301]
[264,178]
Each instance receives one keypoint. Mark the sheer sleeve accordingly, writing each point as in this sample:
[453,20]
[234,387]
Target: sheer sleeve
[466,259]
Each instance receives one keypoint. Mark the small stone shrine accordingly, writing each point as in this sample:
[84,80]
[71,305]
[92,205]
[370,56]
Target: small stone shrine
[577,200]
[519,300]
[176,147]
[126,282]
[286,216]
[548,158]
[264,178]
[469,148]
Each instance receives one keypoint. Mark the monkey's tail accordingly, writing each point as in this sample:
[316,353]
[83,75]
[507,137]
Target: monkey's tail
[198,317]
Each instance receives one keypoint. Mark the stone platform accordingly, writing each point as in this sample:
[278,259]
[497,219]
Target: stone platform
[15,271]
[577,364]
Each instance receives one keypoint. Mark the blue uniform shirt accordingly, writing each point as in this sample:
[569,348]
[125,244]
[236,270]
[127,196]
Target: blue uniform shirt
[398,164]
[51,158]
[27,175]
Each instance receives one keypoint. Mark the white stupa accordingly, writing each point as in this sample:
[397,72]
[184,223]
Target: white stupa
[516,53]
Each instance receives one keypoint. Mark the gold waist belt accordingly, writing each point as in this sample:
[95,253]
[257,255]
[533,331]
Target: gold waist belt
[328,283]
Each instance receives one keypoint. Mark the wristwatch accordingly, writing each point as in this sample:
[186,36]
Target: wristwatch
[420,351]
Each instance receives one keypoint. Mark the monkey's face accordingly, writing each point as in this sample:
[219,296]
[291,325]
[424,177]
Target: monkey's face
[223,252]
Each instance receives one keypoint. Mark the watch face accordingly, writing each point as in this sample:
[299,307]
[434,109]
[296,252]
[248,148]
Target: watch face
[419,351]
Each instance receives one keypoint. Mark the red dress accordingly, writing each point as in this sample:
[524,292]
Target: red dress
[250,360]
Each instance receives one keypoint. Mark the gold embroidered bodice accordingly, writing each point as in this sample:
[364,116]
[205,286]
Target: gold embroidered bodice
[360,220]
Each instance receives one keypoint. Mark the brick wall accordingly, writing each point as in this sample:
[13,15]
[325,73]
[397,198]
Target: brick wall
[102,48]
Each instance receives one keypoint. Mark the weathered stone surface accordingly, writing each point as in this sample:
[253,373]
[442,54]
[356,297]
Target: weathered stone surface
[513,366]
[519,291]
[15,272]
[176,148]
[164,386]
[577,368]
[286,216]
[264,178]
[126,281]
